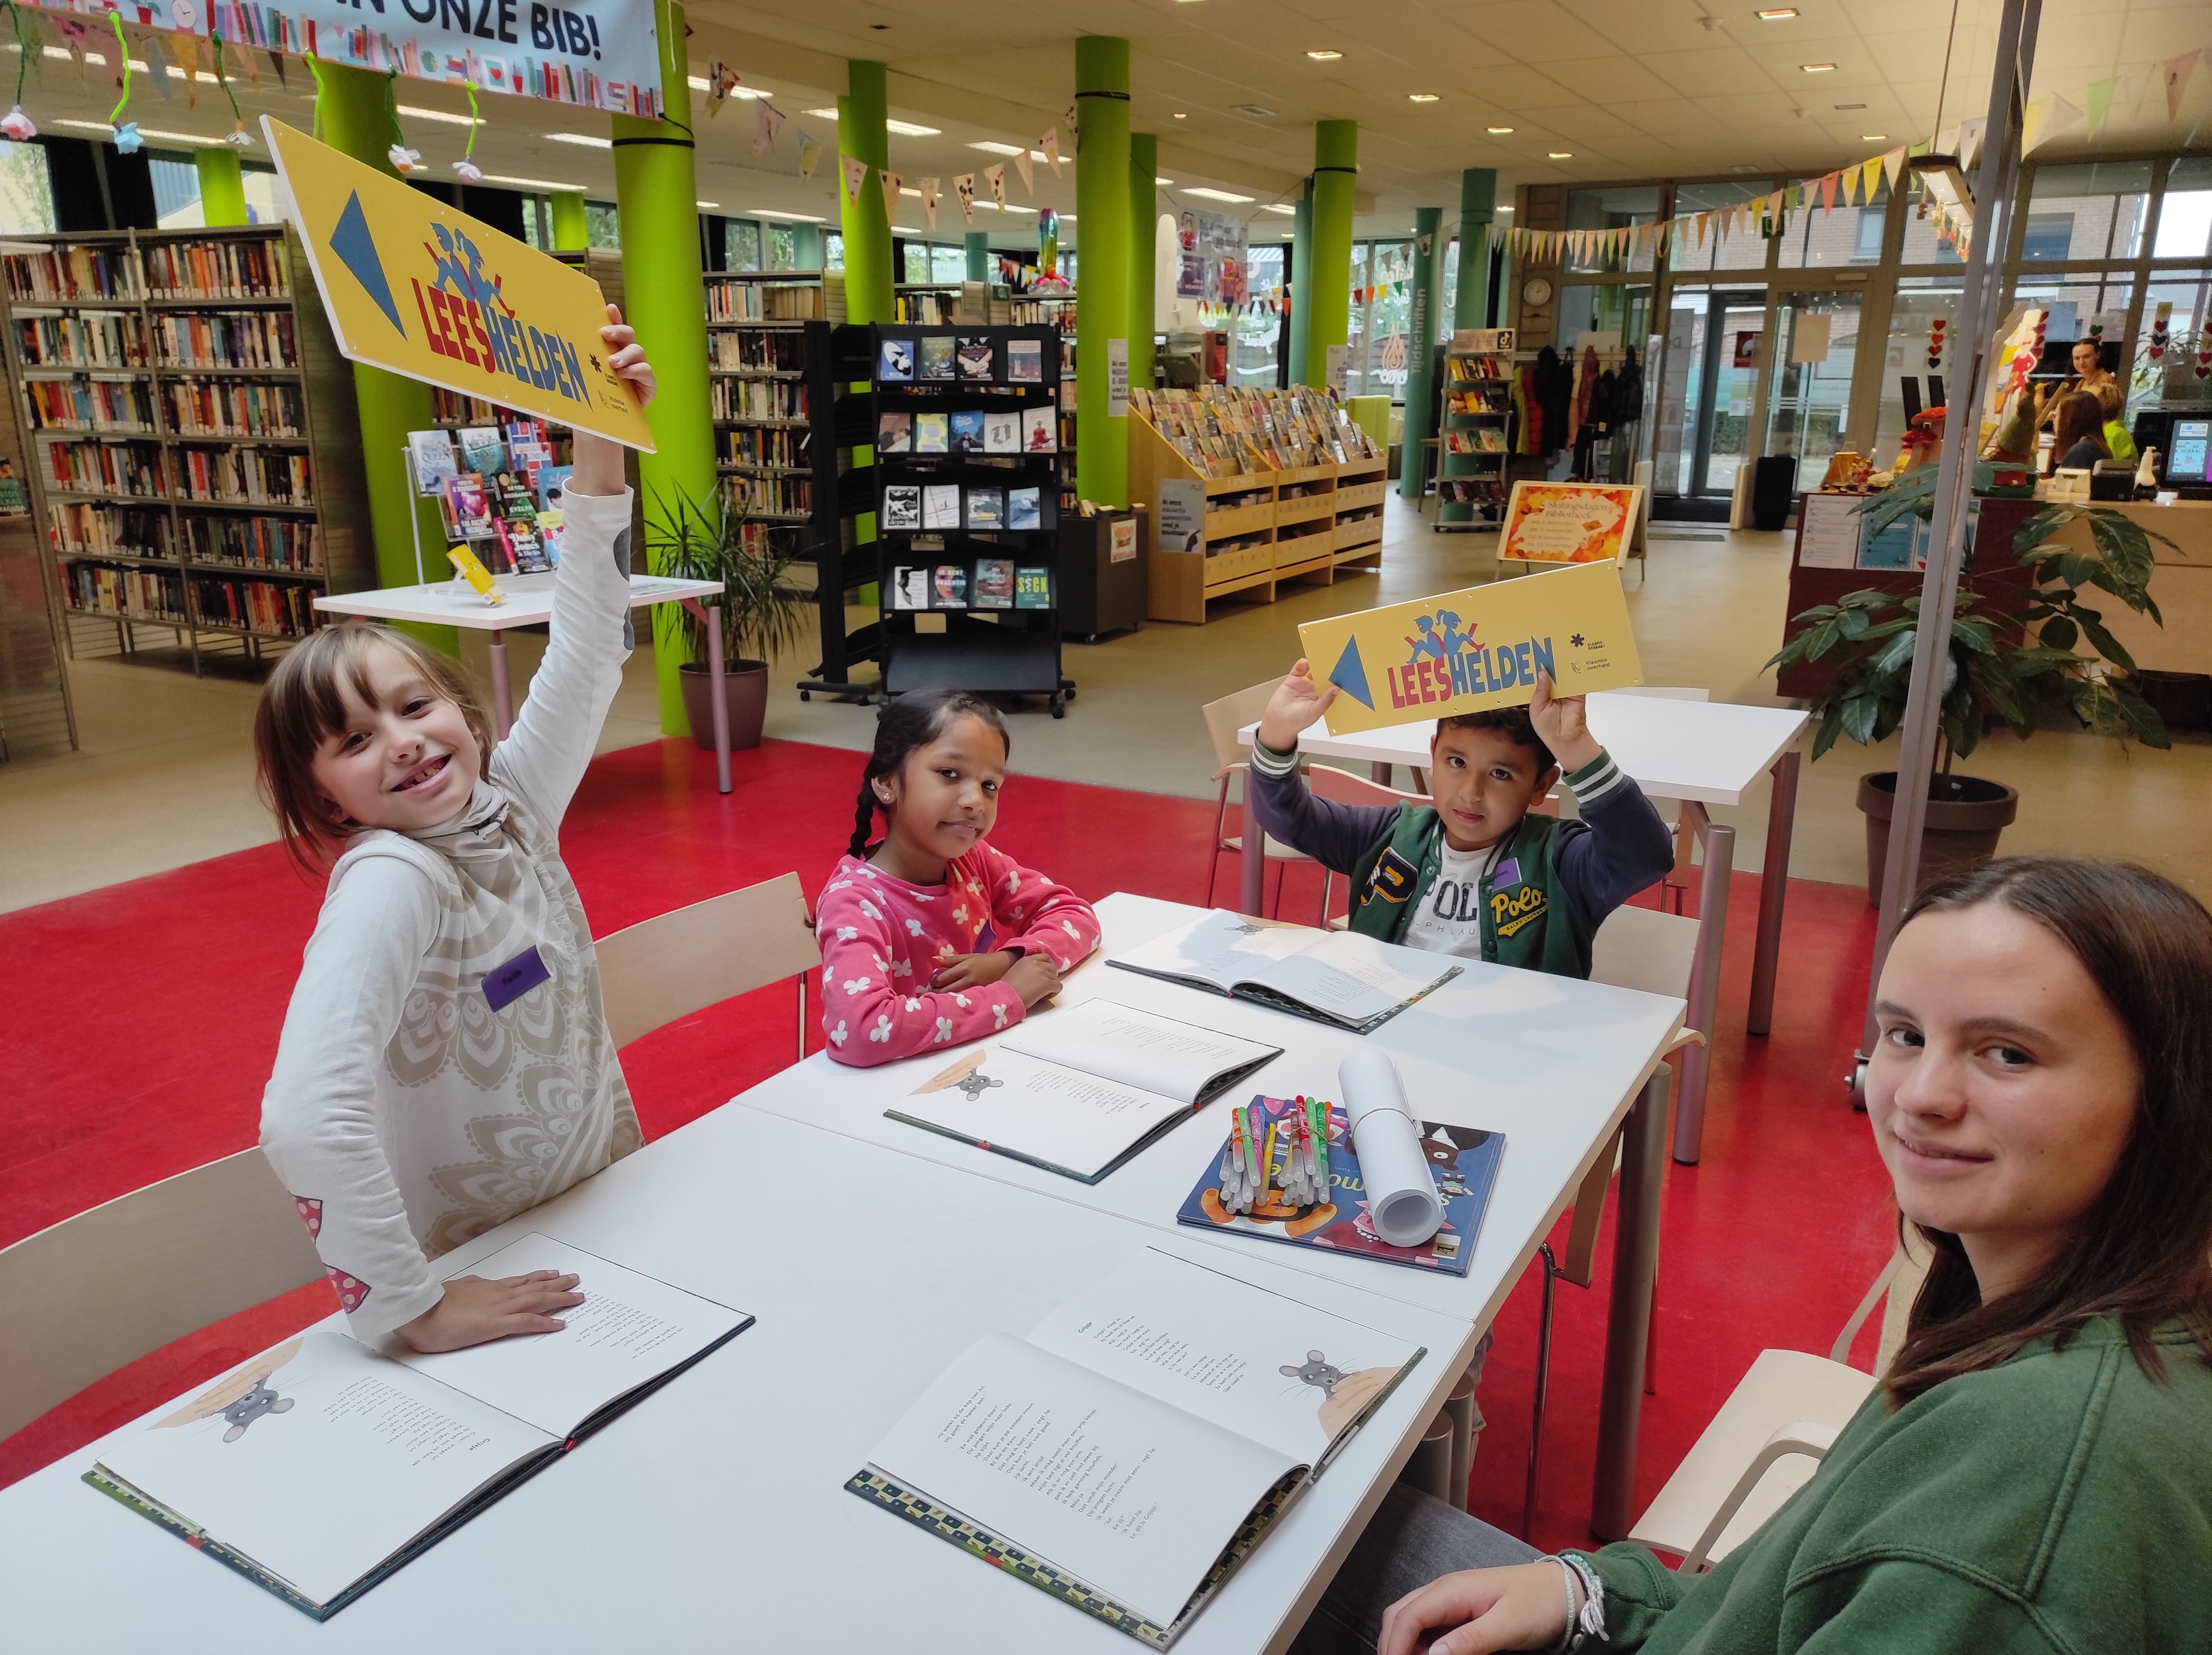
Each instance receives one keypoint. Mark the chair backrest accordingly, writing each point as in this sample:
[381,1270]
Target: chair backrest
[1665,693]
[1326,782]
[1225,717]
[671,965]
[1643,948]
[88,1294]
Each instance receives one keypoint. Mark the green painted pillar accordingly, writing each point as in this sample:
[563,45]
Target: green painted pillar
[1102,332]
[222,185]
[860,135]
[656,195]
[1301,281]
[1328,298]
[1421,347]
[571,233]
[1144,252]
[978,247]
[353,110]
[1477,206]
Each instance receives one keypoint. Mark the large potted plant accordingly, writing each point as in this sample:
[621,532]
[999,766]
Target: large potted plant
[761,615]
[2014,657]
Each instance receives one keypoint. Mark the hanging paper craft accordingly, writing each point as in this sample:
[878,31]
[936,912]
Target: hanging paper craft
[890,183]
[157,62]
[965,187]
[809,153]
[929,201]
[1050,144]
[722,81]
[996,177]
[1027,168]
[768,122]
[2174,72]
[856,175]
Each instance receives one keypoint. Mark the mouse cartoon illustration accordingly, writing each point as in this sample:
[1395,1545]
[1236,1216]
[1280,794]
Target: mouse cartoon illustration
[241,1398]
[1344,1396]
[1316,1371]
[1442,1146]
[976,1085]
[250,1407]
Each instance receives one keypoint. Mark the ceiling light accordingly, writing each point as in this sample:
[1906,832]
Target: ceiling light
[1816,68]
[1217,194]
[698,83]
[584,139]
[1498,131]
[1008,150]
[143,132]
[1873,137]
[1420,97]
[1165,184]
[1179,114]
[1778,14]
[708,206]
[1846,106]
[1563,155]
[790,218]
[1504,209]
[533,184]
[1278,207]
[1257,111]
[1743,167]
[1941,178]
[821,114]
[414,113]
[909,129]
[1325,55]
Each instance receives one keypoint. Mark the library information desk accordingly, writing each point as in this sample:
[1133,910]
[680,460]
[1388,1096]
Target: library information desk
[714,1517]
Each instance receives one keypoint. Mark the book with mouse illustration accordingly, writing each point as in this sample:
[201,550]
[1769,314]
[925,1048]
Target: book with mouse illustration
[1136,1446]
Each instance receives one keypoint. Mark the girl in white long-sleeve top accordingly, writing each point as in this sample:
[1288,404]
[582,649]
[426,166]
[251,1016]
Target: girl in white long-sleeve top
[444,1062]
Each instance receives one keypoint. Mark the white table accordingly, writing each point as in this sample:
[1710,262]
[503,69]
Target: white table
[1557,1064]
[1699,753]
[529,603]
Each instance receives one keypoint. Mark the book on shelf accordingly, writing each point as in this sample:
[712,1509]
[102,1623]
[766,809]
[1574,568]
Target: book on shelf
[1002,431]
[1032,589]
[1025,508]
[467,508]
[1136,1446]
[240,269]
[322,1466]
[433,456]
[1080,1089]
[1024,361]
[546,483]
[932,434]
[986,508]
[902,506]
[940,505]
[910,587]
[933,359]
[1339,978]
[976,358]
[894,432]
[895,365]
[949,587]
[1039,434]
[482,448]
[966,430]
[994,582]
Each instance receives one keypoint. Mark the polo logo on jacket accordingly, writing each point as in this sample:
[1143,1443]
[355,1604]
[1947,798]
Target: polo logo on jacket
[1509,911]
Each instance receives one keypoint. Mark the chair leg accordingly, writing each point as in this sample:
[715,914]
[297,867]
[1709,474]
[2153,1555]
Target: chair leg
[1214,860]
[1543,1386]
[1651,1343]
[801,980]
[1325,878]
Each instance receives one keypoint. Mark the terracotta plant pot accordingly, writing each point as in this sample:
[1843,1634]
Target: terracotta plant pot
[1965,814]
[744,693]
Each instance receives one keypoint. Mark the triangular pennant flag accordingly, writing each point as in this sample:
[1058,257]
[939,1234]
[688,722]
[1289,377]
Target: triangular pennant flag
[965,187]
[2097,104]
[2035,116]
[2174,73]
[809,153]
[1068,120]
[1893,163]
[1705,223]
[2062,115]
[889,181]
[856,174]
[1050,144]
[1869,172]
[188,54]
[996,177]
[1027,168]
[1828,183]
[277,62]
[765,121]
[160,63]
[929,201]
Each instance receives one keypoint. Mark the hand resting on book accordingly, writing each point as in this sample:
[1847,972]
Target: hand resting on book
[475,1311]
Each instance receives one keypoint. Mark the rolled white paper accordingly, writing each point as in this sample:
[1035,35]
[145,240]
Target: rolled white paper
[1402,1202]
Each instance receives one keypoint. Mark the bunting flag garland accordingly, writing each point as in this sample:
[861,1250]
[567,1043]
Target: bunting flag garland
[1828,192]
[996,177]
[766,123]
[1050,144]
[2034,118]
[929,200]
[2174,73]
[1027,168]
[889,181]
[809,153]
[277,62]
[159,62]
[965,187]
[1893,163]
[1872,171]
[188,56]
[856,175]
[1068,120]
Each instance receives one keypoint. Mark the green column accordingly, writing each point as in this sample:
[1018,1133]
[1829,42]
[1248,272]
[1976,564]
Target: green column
[1144,252]
[1478,205]
[1301,281]
[1328,297]
[353,110]
[1421,347]
[860,135]
[978,247]
[570,232]
[1102,203]
[222,185]
[656,195]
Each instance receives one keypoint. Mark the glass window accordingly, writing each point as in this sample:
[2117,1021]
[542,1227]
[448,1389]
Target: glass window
[782,247]
[2090,211]
[2184,216]
[2171,380]
[1910,353]
[1743,250]
[261,196]
[741,242]
[1615,208]
[176,192]
[833,251]
[27,191]
[1252,361]
[916,267]
[602,224]
[1448,289]
[1828,238]
[1808,398]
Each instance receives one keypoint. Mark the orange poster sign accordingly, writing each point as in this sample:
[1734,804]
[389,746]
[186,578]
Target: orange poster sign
[1570,522]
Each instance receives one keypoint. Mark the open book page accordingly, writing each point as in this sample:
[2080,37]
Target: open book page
[630,1329]
[1105,1482]
[1068,1120]
[320,1458]
[1252,1362]
[1142,1048]
[1222,948]
[1352,977]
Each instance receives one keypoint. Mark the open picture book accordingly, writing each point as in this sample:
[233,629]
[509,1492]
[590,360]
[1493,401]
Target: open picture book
[1137,1444]
[322,1466]
[1079,1089]
[1339,978]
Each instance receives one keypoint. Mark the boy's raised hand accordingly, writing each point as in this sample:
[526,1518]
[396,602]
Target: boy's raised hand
[1560,720]
[1297,702]
[598,462]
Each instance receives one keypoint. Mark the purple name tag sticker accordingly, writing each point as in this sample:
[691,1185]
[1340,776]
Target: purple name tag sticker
[986,940]
[1508,873]
[505,984]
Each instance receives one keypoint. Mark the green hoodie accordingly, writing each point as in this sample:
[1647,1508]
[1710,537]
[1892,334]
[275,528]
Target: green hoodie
[2061,1501]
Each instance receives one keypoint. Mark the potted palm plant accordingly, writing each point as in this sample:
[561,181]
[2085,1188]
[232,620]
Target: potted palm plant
[2018,658]
[761,615]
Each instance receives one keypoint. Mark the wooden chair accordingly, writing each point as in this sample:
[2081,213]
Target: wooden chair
[677,963]
[88,1294]
[1224,718]
[1342,787]
[1673,890]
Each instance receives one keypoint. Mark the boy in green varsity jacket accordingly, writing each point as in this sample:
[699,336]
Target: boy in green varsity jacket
[1477,875]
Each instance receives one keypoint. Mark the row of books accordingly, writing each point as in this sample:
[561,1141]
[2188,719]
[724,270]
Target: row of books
[969,358]
[89,404]
[1225,431]
[284,611]
[452,408]
[926,506]
[757,350]
[967,431]
[782,447]
[254,542]
[927,309]
[1477,440]
[1482,399]
[106,468]
[763,301]
[68,276]
[234,408]
[759,399]
[1472,491]
[1045,312]
[87,339]
[1465,368]
[81,529]
[143,594]
[498,490]
[771,495]
[994,582]
[252,477]
[215,269]
[226,339]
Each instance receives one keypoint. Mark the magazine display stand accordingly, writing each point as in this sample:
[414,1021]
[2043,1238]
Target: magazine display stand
[1474,463]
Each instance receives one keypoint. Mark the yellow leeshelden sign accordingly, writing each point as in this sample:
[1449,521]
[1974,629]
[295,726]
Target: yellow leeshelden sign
[423,289]
[1468,651]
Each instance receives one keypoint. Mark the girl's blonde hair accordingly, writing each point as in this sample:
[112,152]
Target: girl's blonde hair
[303,705]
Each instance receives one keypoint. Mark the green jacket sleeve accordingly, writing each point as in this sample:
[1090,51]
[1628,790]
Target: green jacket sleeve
[1638,1591]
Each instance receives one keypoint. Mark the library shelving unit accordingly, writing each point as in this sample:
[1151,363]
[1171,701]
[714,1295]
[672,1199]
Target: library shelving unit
[1474,463]
[1262,527]
[1057,310]
[992,588]
[196,449]
[763,327]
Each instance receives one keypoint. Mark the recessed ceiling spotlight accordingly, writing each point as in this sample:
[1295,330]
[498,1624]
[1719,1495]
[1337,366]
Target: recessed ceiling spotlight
[1182,115]
[1845,106]
[1873,137]
[1816,68]
[1498,131]
[1563,155]
[1778,14]
[1420,97]
[1325,55]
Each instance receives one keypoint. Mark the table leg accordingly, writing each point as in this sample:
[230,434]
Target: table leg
[1773,886]
[1379,773]
[1628,1313]
[503,693]
[1704,980]
[721,705]
[1251,893]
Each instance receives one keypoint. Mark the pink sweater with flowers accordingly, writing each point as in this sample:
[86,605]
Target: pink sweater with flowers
[881,936]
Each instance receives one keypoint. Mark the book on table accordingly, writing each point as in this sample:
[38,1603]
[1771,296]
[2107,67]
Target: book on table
[1079,1089]
[323,1466]
[1138,1445]
[1341,977]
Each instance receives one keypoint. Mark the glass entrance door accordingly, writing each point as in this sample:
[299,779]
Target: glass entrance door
[1711,377]
[1816,339]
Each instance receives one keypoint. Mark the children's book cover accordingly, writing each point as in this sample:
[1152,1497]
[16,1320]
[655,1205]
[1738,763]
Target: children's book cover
[951,586]
[986,508]
[1002,431]
[468,511]
[940,505]
[967,431]
[1463,1159]
[910,588]
[902,506]
[932,434]
[994,582]
[975,358]
[894,432]
[1039,435]
[935,360]
[546,483]
[1025,362]
[1033,589]
[896,363]
[481,449]
[1025,508]
[435,459]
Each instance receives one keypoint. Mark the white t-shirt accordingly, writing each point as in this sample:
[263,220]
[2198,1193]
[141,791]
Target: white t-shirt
[1449,918]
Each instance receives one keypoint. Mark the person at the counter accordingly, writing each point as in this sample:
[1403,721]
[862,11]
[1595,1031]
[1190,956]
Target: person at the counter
[2089,374]
[2079,441]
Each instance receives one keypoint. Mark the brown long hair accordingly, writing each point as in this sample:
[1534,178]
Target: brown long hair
[2079,415]
[304,702]
[2143,1251]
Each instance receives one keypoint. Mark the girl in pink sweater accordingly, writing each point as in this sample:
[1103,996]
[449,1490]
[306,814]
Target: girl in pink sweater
[935,938]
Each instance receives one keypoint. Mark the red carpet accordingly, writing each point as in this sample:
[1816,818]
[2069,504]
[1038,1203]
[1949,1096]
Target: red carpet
[142,1019]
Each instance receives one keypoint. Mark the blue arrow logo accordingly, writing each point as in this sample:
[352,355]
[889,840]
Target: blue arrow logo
[356,251]
[1350,675]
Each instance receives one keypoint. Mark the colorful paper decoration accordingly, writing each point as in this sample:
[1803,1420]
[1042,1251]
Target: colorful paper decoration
[928,187]
[996,177]
[856,174]
[1027,168]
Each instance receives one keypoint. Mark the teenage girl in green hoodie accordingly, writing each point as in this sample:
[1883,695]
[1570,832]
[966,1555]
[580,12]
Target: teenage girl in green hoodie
[2034,1472]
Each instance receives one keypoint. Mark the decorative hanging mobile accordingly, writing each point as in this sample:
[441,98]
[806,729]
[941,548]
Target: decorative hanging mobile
[403,159]
[1935,343]
[469,170]
[238,137]
[2159,324]
[15,124]
[127,141]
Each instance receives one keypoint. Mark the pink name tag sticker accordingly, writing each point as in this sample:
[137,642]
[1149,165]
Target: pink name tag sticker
[504,984]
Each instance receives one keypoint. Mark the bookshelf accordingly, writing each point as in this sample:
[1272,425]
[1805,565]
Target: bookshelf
[194,446]
[1475,458]
[1057,310]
